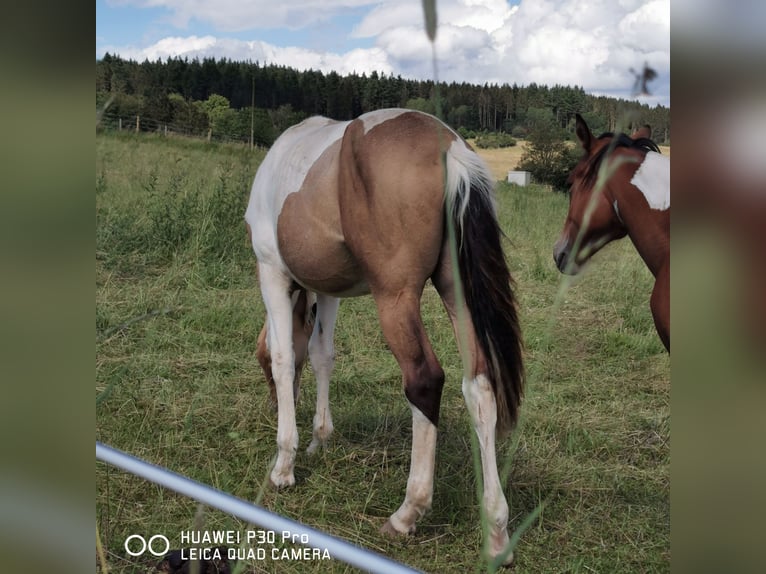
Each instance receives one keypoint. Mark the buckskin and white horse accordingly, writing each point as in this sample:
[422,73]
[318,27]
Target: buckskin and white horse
[621,186]
[341,209]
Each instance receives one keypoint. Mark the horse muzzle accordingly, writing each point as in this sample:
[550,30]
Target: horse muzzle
[564,258]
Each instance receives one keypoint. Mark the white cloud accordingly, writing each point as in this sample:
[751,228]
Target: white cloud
[648,27]
[590,43]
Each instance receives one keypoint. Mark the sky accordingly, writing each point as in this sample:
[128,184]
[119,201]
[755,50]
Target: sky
[594,44]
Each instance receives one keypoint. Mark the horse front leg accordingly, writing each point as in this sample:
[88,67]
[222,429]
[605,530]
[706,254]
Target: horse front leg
[660,305]
[275,288]
[322,356]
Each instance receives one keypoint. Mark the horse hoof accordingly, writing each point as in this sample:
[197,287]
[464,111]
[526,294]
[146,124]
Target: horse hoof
[279,482]
[318,444]
[388,530]
[498,551]
[508,560]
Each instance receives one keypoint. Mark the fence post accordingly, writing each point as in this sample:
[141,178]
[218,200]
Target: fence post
[209,134]
[119,124]
[138,123]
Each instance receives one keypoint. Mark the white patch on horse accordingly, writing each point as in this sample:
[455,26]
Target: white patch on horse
[653,179]
[286,165]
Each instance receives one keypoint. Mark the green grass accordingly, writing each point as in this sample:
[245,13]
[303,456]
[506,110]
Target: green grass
[177,383]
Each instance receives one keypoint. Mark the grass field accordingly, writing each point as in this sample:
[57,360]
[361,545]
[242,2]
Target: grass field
[177,383]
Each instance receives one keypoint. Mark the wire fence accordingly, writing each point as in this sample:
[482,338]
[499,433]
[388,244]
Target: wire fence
[338,549]
[111,121]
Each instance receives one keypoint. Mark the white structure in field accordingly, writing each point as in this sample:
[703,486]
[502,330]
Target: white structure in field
[519,177]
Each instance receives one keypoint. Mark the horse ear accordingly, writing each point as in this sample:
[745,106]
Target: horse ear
[644,131]
[583,132]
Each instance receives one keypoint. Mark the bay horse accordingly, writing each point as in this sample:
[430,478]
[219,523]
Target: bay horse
[621,186]
[342,209]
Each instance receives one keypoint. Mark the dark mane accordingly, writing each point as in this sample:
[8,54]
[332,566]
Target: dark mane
[620,140]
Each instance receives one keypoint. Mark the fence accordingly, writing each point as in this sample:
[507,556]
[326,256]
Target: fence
[110,121]
[338,549]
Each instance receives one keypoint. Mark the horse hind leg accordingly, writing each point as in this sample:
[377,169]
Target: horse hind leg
[322,356]
[303,322]
[480,399]
[423,380]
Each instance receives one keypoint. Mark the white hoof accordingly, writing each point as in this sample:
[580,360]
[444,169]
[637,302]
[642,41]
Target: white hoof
[281,480]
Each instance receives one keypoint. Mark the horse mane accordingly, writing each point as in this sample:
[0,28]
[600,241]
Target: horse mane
[618,141]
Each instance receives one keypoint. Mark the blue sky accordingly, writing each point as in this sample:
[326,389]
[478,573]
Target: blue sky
[589,43]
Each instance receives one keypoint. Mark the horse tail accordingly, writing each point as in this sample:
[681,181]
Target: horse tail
[487,282]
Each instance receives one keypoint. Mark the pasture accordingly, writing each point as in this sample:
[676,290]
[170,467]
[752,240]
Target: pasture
[178,384]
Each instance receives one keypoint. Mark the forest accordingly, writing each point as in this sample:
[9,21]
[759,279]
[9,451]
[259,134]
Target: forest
[252,102]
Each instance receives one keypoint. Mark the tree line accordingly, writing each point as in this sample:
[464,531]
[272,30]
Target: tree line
[249,101]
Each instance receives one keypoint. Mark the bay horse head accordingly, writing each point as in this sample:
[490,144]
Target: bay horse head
[620,187]
[594,216]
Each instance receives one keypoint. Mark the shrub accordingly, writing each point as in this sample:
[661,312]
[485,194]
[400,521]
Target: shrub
[465,133]
[519,132]
[493,140]
[548,157]
[551,165]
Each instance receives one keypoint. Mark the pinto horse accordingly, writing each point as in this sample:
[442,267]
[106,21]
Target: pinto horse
[621,186]
[342,209]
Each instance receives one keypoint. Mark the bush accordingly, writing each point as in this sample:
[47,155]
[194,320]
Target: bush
[548,157]
[519,132]
[551,168]
[493,140]
[465,133]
